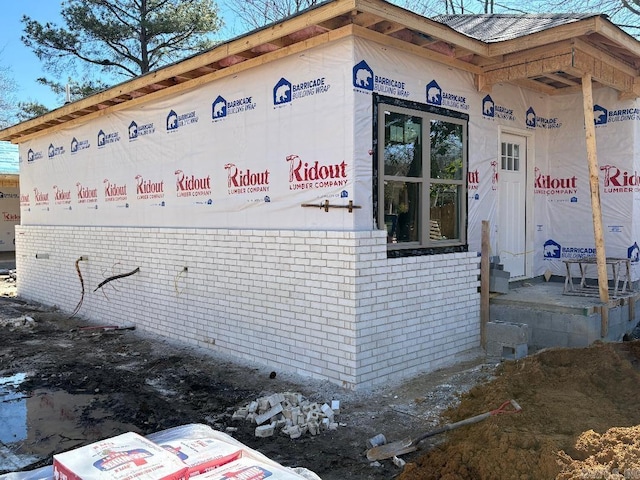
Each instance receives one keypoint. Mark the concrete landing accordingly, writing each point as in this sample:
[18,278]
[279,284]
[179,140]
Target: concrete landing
[558,320]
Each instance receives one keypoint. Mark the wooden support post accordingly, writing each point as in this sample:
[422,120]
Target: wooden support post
[484,283]
[594,182]
[604,320]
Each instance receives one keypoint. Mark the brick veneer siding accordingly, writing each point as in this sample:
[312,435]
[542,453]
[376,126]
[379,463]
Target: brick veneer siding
[326,304]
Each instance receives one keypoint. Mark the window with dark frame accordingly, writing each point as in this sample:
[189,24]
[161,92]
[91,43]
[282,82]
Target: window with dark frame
[421,177]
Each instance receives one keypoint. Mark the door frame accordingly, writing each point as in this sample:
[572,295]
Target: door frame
[528,200]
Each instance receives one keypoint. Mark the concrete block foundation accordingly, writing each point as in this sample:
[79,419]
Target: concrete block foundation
[557,320]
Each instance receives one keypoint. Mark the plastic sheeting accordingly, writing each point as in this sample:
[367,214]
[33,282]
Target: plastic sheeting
[558,216]
[246,151]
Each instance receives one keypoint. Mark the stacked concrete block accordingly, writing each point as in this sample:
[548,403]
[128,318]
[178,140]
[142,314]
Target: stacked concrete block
[498,278]
[289,413]
[507,340]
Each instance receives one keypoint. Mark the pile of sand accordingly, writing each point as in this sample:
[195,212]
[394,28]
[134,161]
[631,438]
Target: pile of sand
[567,395]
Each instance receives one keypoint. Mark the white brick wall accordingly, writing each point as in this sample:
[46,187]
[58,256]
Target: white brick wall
[324,304]
[415,314]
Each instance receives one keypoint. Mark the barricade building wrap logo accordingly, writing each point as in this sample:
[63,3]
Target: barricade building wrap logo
[105,139]
[246,181]
[441,98]
[602,116]
[530,118]
[491,110]
[363,76]
[192,186]
[365,79]
[10,217]
[534,121]
[61,196]
[33,155]
[554,251]
[9,195]
[284,92]
[548,185]
[55,151]
[136,131]
[306,176]
[78,145]
[113,460]
[220,108]
[86,195]
[599,115]
[620,181]
[25,200]
[114,192]
[175,121]
[147,189]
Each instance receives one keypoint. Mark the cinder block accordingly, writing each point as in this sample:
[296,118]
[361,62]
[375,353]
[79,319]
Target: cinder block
[507,333]
[499,281]
[516,352]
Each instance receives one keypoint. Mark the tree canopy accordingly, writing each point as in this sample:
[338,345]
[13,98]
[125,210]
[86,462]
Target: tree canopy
[7,93]
[122,37]
[624,13]
[258,13]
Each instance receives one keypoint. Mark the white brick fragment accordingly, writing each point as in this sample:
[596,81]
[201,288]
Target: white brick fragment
[263,417]
[265,430]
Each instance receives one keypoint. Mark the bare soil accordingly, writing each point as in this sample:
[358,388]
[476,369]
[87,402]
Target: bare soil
[95,384]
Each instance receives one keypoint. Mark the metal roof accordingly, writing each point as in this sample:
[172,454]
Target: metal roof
[501,27]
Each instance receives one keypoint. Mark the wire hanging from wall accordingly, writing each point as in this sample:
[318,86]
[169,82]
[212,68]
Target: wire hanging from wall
[116,277]
[79,305]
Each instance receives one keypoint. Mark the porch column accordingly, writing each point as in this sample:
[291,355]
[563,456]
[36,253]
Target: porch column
[594,182]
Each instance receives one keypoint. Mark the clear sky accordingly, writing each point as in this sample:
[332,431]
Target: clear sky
[24,66]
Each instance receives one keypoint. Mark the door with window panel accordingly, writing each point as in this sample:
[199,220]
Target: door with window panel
[512,190]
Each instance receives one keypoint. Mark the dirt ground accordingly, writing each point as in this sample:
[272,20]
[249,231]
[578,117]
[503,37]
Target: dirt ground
[579,407]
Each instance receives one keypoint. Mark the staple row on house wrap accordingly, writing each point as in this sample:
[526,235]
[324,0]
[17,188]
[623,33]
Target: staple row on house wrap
[291,413]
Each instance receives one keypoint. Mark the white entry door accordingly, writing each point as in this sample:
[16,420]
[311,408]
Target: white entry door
[512,196]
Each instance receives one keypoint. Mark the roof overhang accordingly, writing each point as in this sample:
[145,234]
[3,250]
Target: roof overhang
[552,61]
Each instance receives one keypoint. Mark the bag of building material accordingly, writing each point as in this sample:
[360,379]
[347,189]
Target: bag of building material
[188,433]
[247,468]
[198,446]
[125,457]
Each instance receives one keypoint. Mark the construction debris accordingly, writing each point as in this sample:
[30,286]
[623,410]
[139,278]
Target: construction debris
[24,321]
[289,413]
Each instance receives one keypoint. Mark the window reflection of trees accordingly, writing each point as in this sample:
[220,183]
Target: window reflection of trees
[406,183]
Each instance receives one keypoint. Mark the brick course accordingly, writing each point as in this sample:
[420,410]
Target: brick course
[326,304]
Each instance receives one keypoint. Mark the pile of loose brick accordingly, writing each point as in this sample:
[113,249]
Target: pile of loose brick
[290,414]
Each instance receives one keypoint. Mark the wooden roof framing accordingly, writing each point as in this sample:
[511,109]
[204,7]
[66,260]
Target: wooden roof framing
[552,61]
